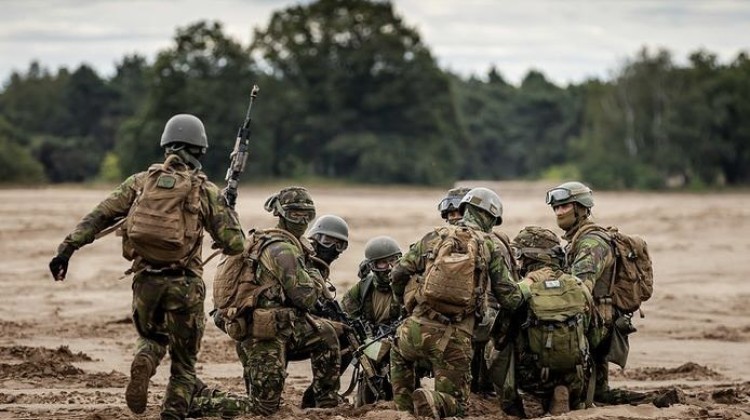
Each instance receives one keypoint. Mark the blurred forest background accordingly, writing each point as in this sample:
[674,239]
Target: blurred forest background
[349,91]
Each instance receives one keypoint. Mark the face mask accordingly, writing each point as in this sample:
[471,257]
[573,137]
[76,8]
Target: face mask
[382,281]
[326,253]
[296,229]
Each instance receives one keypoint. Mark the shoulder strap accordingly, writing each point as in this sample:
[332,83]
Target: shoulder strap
[364,289]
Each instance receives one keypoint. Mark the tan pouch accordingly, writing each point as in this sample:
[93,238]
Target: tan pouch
[236,328]
[264,323]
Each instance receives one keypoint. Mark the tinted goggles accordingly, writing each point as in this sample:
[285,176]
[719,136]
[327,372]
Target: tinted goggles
[299,215]
[449,204]
[557,195]
[329,241]
[384,264]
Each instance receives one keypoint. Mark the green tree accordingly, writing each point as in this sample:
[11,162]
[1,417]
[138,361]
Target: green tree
[206,74]
[353,71]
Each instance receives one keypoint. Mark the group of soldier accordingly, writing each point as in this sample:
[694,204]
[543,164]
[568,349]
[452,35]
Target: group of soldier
[470,351]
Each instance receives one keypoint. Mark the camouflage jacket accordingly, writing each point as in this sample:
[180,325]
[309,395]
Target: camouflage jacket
[508,293]
[358,302]
[283,264]
[220,221]
[590,259]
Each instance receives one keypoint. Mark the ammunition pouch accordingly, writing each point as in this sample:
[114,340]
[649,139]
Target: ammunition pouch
[269,322]
[236,328]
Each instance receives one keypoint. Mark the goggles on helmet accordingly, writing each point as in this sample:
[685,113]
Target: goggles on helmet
[556,195]
[384,264]
[449,204]
[298,215]
[329,241]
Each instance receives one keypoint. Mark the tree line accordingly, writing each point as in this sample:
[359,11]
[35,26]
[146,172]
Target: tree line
[350,91]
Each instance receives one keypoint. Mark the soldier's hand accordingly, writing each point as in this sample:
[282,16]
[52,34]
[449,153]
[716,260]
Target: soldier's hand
[230,197]
[540,275]
[59,267]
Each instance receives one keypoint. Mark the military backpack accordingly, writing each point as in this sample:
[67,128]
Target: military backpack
[455,272]
[556,325]
[163,225]
[632,281]
[236,288]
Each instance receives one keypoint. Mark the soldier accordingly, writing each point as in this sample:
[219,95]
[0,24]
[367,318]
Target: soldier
[330,237]
[448,206]
[558,374]
[168,290]
[281,321]
[371,299]
[445,340]
[591,260]
[481,381]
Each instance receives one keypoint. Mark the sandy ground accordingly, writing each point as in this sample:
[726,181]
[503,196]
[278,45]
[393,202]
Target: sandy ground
[65,348]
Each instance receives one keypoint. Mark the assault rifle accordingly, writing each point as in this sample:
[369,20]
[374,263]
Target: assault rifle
[356,335]
[238,157]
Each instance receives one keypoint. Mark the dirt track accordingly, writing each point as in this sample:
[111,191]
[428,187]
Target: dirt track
[65,348]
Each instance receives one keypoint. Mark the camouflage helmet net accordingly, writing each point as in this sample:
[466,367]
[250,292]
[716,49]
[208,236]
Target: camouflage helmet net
[290,198]
[539,244]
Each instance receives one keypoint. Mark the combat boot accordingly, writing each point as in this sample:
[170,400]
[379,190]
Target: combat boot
[560,401]
[424,404]
[136,394]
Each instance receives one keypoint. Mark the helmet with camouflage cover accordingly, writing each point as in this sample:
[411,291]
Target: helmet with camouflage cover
[292,203]
[185,128]
[484,199]
[451,201]
[538,244]
[571,192]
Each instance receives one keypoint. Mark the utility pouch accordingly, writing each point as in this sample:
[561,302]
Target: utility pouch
[264,323]
[236,328]
[619,347]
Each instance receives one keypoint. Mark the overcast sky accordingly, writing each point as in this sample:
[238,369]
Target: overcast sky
[567,40]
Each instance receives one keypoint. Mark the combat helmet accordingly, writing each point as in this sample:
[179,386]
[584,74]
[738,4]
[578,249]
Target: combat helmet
[187,129]
[332,226]
[292,203]
[571,192]
[451,201]
[380,248]
[485,199]
[538,243]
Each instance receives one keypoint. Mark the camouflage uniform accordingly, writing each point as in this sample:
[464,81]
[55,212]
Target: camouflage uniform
[358,301]
[167,304]
[293,292]
[446,346]
[213,402]
[591,259]
[537,248]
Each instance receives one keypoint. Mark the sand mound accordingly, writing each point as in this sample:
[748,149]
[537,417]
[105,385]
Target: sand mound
[689,371]
[41,355]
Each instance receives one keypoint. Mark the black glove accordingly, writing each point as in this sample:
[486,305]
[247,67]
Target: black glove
[59,267]
[230,197]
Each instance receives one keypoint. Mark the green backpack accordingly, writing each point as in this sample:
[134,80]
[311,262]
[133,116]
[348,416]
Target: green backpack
[556,329]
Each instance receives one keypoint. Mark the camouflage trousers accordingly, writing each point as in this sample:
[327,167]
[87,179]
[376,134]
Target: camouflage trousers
[449,352]
[168,315]
[264,364]
[515,368]
[481,381]
[213,402]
